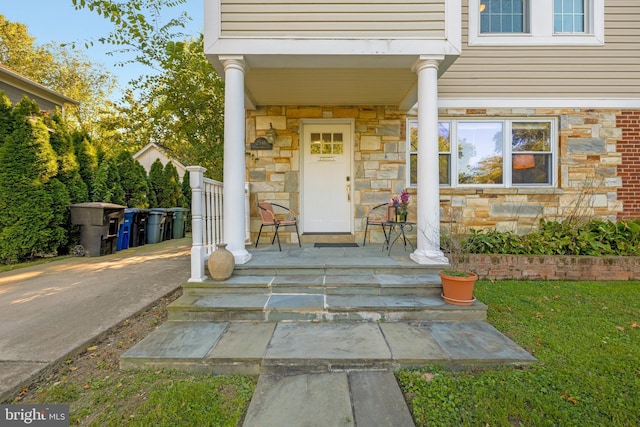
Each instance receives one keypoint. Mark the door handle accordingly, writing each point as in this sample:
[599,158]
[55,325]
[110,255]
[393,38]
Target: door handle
[348,192]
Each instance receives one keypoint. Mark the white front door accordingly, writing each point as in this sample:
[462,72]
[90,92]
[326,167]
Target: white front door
[327,181]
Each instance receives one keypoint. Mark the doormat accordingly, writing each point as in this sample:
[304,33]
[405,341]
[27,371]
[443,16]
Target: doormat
[335,245]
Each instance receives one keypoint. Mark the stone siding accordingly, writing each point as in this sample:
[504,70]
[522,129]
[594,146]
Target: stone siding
[378,159]
[588,168]
[587,173]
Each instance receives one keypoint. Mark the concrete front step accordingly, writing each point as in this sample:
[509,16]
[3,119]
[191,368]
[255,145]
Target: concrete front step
[275,347]
[319,307]
[349,268]
[370,284]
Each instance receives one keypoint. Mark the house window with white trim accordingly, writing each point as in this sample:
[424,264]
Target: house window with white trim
[491,153]
[568,16]
[536,22]
[499,16]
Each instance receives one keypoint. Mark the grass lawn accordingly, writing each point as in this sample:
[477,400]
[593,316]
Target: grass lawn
[586,337]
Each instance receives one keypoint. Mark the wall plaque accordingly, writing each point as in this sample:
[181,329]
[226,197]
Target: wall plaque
[261,144]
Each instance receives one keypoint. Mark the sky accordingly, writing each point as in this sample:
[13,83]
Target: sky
[56,21]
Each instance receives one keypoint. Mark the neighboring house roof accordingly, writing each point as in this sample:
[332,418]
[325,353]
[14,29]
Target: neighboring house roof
[152,151]
[16,85]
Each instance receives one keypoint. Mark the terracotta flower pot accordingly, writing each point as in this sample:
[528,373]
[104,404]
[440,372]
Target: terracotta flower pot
[458,290]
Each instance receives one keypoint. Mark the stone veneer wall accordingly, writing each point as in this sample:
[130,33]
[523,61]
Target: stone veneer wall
[629,169]
[379,158]
[588,161]
[588,179]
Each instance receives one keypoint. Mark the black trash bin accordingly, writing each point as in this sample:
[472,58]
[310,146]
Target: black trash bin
[155,225]
[179,222]
[138,227]
[99,223]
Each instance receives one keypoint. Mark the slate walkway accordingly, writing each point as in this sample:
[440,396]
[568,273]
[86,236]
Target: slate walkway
[311,374]
[255,348]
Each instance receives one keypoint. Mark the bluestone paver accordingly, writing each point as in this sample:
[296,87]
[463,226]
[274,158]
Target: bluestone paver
[309,400]
[179,340]
[327,341]
[411,343]
[377,400]
[476,342]
[246,340]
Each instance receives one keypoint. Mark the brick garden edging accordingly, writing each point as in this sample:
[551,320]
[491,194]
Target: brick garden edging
[545,267]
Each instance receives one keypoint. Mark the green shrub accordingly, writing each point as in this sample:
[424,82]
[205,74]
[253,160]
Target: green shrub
[596,238]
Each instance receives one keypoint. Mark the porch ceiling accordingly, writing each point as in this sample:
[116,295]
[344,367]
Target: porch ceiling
[329,80]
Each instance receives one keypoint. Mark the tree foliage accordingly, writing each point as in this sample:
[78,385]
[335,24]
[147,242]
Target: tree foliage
[59,68]
[172,194]
[106,186]
[32,220]
[87,157]
[133,179]
[156,182]
[181,104]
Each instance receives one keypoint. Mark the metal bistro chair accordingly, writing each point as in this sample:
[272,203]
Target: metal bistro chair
[375,217]
[269,220]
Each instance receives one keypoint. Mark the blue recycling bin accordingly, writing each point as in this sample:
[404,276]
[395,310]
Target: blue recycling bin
[124,234]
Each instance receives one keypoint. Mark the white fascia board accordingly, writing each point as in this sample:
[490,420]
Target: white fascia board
[337,46]
[453,23]
[631,103]
[212,22]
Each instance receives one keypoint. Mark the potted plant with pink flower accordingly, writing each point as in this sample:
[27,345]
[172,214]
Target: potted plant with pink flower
[401,205]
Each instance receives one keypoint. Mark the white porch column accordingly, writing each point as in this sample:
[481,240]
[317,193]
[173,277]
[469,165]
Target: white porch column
[428,191]
[234,162]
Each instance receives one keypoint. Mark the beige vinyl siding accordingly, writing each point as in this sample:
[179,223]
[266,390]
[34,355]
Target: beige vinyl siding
[611,71]
[333,19]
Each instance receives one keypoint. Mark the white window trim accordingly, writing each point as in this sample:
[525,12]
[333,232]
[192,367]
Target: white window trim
[542,34]
[506,152]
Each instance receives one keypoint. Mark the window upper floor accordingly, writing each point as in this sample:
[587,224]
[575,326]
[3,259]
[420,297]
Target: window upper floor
[536,22]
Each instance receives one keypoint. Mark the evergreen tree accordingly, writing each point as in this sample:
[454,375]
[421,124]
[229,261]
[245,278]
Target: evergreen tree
[106,187]
[61,221]
[87,157]
[172,190]
[156,183]
[187,195]
[186,190]
[6,120]
[30,223]
[68,165]
[133,179]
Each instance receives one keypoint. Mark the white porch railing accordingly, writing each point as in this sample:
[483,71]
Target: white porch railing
[207,219]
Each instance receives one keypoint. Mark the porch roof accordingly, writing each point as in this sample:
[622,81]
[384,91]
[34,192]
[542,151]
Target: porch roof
[330,79]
